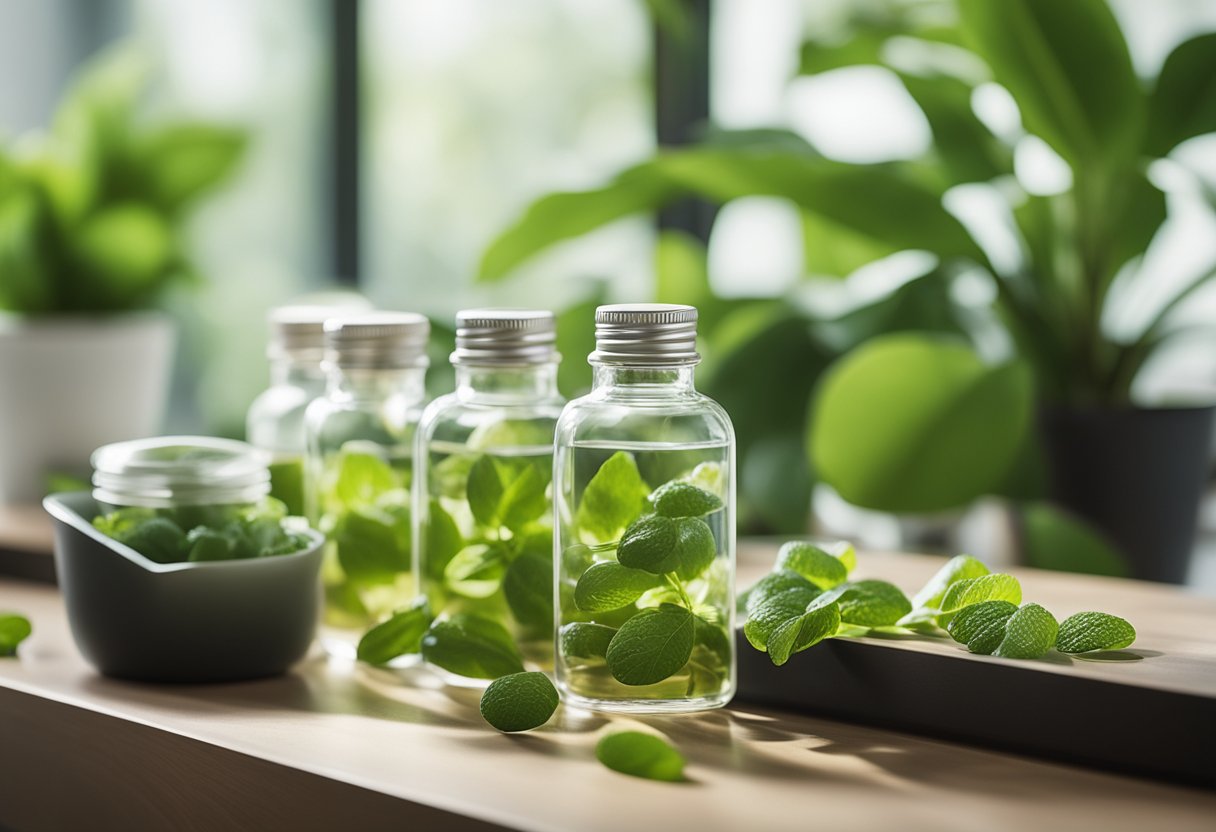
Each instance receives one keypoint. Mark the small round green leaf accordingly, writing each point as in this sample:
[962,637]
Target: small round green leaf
[695,547]
[682,499]
[640,755]
[812,563]
[14,629]
[651,646]
[586,640]
[873,604]
[528,587]
[650,544]
[775,610]
[995,587]
[958,568]
[609,586]
[399,635]
[981,626]
[1029,633]
[519,702]
[476,571]
[807,630]
[469,645]
[775,583]
[1087,631]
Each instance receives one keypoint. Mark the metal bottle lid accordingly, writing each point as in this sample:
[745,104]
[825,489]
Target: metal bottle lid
[297,330]
[505,337]
[658,334]
[377,340]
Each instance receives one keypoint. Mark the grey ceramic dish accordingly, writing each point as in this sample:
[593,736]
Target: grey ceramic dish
[181,622]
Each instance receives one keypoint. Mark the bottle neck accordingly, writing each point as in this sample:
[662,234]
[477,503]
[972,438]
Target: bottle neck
[378,384]
[641,381]
[306,375]
[506,384]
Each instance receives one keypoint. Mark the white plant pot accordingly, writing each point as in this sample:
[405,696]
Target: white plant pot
[68,385]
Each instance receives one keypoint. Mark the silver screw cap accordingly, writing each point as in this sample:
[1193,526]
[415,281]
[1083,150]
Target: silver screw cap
[505,337]
[297,330]
[658,334]
[377,341]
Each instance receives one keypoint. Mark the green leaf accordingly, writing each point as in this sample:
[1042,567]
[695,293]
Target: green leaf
[640,755]
[561,216]
[519,702]
[873,604]
[399,635]
[964,144]
[14,629]
[681,271]
[650,544]
[1068,68]
[184,161]
[26,283]
[370,545]
[651,646]
[362,478]
[774,610]
[994,587]
[443,541]
[960,424]
[695,547]
[469,645]
[982,626]
[1053,539]
[804,631]
[958,568]
[863,47]
[776,583]
[158,539]
[528,587]
[1088,631]
[206,545]
[812,563]
[586,640]
[575,341]
[609,586]
[485,491]
[127,247]
[1029,633]
[885,202]
[613,498]
[524,499]
[1183,103]
[477,570]
[682,499]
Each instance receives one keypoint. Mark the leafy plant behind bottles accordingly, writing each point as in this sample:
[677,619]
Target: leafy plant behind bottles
[91,213]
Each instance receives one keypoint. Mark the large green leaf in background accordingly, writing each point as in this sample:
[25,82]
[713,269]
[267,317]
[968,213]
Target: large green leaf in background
[888,203]
[1066,63]
[1054,539]
[963,144]
[125,248]
[912,423]
[1183,104]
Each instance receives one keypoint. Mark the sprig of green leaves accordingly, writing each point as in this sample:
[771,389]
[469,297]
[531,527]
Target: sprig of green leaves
[807,599]
[14,629]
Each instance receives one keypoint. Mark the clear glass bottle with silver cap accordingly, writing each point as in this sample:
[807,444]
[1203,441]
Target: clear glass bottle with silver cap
[275,422]
[644,491]
[360,437]
[484,531]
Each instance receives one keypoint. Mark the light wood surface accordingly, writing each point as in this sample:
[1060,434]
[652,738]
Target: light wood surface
[26,528]
[336,746]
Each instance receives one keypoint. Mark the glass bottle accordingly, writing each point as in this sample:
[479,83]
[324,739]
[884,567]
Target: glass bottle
[484,531]
[275,422]
[360,437]
[644,490]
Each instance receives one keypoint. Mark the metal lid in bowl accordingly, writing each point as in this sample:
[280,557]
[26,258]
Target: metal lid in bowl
[169,471]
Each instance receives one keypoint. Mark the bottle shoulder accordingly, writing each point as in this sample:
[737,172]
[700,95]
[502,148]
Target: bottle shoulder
[690,418]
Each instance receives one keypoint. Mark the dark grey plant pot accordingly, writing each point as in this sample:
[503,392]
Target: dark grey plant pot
[181,622]
[1136,474]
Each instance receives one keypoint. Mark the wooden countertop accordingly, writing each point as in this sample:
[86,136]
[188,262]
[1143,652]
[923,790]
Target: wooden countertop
[332,745]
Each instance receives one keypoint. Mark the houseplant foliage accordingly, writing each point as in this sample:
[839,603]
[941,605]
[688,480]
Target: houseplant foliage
[1066,65]
[91,212]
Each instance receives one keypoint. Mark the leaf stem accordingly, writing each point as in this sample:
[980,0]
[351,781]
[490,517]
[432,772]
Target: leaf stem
[675,584]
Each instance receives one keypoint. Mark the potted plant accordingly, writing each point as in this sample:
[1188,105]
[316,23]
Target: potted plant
[920,424]
[91,235]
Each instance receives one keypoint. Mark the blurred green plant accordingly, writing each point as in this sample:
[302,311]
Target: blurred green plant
[91,212]
[918,423]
